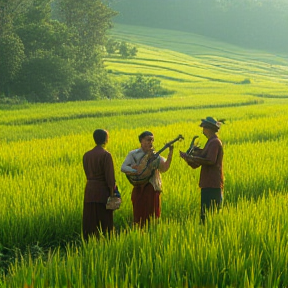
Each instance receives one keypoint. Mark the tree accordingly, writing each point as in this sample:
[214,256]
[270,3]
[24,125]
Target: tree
[10,11]
[45,59]
[11,58]
[89,19]
[47,36]
[45,78]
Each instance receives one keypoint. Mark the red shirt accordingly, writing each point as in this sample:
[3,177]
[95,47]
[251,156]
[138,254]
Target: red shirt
[99,170]
[211,176]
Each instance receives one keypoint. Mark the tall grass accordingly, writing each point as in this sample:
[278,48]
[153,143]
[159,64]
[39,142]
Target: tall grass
[42,181]
[240,247]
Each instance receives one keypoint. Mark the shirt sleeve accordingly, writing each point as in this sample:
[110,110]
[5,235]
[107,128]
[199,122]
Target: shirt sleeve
[212,151]
[84,162]
[128,162]
[161,164]
[109,171]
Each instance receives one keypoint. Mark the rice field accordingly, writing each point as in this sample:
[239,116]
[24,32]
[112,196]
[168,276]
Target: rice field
[42,179]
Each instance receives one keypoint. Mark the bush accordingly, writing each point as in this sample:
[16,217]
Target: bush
[143,87]
[13,100]
[45,78]
[246,81]
[82,89]
[11,59]
[126,50]
[92,88]
[123,48]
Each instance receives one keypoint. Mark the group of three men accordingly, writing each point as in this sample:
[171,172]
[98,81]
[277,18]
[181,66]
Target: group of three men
[99,170]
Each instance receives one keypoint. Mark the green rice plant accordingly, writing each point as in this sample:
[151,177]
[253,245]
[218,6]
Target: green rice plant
[42,179]
[98,109]
[230,251]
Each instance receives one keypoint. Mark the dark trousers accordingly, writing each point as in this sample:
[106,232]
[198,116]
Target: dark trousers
[96,220]
[211,200]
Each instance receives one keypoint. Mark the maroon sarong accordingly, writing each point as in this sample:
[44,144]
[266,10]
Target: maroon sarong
[96,218]
[146,203]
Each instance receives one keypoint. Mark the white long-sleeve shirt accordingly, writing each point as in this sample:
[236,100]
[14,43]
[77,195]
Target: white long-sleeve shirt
[134,157]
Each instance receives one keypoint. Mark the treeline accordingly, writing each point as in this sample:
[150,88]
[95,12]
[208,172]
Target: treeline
[259,24]
[52,51]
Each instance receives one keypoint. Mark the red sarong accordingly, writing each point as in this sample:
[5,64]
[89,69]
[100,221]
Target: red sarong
[146,203]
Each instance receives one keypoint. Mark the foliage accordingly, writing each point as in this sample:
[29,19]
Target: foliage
[112,46]
[11,58]
[94,87]
[123,48]
[45,78]
[61,55]
[10,11]
[126,50]
[10,101]
[143,87]
[51,36]
[89,19]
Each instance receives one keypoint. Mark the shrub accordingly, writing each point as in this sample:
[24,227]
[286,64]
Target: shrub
[45,78]
[11,59]
[246,81]
[143,87]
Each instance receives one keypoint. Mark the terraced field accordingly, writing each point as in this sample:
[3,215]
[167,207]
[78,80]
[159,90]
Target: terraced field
[42,179]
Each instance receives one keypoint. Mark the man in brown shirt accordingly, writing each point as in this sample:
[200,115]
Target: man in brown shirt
[210,159]
[99,170]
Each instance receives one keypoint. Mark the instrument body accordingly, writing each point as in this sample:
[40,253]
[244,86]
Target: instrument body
[148,163]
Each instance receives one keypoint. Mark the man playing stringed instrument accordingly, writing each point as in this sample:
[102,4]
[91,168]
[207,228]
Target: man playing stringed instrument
[142,168]
[210,159]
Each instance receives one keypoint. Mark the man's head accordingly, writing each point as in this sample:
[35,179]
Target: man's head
[100,136]
[211,124]
[146,139]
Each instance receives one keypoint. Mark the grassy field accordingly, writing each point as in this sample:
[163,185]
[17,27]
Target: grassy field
[42,179]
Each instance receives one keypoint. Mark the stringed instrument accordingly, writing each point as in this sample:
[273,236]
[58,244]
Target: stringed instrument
[192,148]
[146,165]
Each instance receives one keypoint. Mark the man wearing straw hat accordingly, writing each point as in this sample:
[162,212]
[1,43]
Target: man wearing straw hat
[210,159]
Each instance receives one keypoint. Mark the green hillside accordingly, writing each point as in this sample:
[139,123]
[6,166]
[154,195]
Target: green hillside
[193,62]
[199,72]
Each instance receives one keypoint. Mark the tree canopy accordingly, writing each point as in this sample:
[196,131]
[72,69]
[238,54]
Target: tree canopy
[52,50]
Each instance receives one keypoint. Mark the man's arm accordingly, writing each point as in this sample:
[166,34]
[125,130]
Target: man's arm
[126,167]
[165,165]
[189,160]
[210,157]
[109,172]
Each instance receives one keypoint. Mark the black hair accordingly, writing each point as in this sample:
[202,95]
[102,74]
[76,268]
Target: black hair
[99,136]
[144,134]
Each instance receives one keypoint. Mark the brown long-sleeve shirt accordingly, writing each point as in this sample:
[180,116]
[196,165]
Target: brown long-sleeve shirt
[210,159]
[99,170]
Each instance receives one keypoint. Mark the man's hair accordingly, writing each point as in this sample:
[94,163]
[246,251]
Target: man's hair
[144,134]
[99,136]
